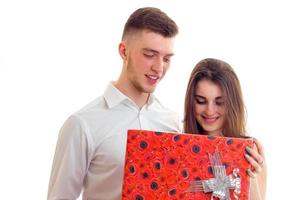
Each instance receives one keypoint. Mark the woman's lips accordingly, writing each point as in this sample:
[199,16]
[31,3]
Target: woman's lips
[210,120]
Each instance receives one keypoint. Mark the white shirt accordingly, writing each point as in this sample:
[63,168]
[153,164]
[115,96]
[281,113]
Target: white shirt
[90,151]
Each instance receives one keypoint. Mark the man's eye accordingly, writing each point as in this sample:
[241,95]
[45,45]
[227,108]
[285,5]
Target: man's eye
[167,60]
[148,55]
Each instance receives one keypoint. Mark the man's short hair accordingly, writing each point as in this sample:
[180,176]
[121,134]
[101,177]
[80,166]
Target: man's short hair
[151,19]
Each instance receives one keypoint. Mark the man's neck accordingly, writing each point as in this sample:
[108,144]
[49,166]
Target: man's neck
[139,98]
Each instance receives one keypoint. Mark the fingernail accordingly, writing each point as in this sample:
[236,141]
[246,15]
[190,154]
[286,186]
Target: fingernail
[248,149]
[249,172]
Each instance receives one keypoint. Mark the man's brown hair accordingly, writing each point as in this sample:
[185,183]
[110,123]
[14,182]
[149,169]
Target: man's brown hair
[151,19]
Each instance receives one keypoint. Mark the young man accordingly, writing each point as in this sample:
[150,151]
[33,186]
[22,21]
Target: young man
[91,146]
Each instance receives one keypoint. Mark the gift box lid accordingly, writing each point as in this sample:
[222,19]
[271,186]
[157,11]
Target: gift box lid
[161,165]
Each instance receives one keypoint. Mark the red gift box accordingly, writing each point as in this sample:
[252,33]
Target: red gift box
[160,165]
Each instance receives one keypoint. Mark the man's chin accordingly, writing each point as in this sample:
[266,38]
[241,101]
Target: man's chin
[149,90]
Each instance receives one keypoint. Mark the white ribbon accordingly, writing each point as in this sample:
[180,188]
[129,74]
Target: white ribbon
[221,183]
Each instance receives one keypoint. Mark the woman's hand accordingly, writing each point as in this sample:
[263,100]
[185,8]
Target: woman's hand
[256,158]
[258,171]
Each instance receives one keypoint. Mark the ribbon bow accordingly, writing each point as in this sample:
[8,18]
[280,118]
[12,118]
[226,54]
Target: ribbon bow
[221,183]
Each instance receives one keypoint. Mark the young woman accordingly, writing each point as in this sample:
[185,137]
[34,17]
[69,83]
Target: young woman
[214,106]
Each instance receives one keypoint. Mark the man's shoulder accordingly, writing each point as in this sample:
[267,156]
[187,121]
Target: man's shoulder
[96,104]
[91,110]
[88,114]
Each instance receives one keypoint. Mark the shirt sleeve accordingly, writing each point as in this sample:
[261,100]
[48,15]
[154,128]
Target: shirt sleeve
[71,160]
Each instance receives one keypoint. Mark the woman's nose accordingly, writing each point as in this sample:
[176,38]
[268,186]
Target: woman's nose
[210,109]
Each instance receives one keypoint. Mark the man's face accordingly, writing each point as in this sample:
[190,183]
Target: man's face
[148,57]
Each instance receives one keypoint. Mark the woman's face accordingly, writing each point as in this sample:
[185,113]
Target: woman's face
[210,107]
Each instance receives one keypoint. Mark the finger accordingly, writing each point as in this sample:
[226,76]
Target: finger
[253,163]
[259,146]
[261,163]
[251,173]
[259,158]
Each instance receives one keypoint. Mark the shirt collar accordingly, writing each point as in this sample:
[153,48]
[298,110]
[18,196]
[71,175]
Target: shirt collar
[113,96]
[151,99]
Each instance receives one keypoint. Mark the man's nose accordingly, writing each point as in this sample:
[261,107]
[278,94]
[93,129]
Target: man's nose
[158,66]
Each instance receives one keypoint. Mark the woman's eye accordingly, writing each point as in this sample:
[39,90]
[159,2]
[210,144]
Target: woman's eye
[200,101]
[219,103]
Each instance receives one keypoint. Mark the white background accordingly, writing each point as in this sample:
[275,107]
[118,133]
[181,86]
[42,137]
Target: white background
[57,56]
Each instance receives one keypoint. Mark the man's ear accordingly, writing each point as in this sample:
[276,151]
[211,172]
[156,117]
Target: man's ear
[123,50]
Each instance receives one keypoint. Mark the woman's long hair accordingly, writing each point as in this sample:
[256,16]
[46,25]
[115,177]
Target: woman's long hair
[223,75]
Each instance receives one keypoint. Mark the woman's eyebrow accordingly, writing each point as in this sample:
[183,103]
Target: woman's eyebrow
[196,95]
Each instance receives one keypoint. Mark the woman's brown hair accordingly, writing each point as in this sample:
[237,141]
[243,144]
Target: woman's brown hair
[222,74]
